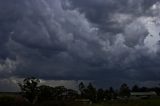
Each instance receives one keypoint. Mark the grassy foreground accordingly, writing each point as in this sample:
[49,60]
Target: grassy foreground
[149,102]
[11,101]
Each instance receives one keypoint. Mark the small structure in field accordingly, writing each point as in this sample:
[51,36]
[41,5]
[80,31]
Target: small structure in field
[142,95]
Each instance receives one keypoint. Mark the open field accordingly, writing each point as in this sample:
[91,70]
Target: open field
[13,99]
[150,102]
[147,102]
[10,101]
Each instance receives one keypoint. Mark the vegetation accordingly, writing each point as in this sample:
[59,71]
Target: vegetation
[29,89]
[34,94]
[124,90]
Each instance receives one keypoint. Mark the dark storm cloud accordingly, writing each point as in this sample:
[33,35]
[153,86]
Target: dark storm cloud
[80,39]
[99,12]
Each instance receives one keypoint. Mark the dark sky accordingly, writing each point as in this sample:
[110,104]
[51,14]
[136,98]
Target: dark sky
[100,40]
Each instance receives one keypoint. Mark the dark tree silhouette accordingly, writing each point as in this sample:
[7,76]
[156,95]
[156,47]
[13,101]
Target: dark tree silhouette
[124,90]
[144,89]
[29,89]
[111,92]
[91,93]
[56,93]
[46,92]
[106,93]
[135,88]
[59,92]
[71,94]
[82,89]
[88,92]
[100,95]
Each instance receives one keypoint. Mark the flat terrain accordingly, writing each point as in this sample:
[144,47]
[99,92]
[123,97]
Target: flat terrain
[11,100]
[147,102]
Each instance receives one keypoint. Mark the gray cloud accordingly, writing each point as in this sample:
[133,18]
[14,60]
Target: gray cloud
[70,40]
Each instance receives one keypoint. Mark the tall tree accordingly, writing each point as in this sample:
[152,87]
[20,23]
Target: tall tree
[135,88]
[100,95]
[110,94]
[29,88]
[91,93]
[82,89]
[124,90]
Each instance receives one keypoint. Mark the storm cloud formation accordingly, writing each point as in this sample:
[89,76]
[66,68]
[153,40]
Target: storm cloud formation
[80,39]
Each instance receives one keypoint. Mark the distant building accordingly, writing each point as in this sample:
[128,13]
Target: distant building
[142,95]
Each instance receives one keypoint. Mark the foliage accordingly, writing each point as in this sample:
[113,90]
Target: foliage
[88,92]
[29,88]
[135,88]
[54,95]
[46,93]
[58,93]
[82,89]
[100,95]
[91,92]
[124,90]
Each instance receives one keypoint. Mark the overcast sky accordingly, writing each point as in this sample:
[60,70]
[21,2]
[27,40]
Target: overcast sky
[108,41]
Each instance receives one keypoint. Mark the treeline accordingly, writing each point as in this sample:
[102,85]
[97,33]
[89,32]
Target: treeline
[31,90]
